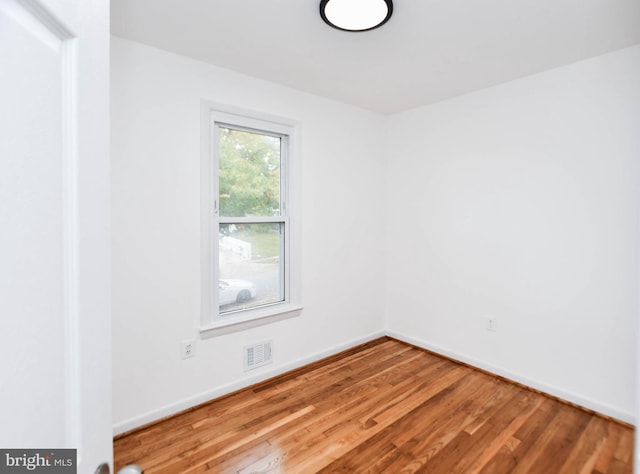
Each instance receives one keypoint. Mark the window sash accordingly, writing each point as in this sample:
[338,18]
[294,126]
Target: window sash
[257,127]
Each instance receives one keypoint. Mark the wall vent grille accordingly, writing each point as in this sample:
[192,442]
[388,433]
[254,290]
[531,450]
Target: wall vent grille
[258,355]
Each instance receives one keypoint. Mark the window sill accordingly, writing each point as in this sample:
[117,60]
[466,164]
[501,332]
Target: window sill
[250,319]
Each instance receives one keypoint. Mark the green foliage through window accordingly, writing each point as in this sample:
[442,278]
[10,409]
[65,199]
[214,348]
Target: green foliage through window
[249,173]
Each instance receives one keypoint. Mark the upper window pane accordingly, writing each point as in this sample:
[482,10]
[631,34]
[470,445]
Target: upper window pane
[249,173]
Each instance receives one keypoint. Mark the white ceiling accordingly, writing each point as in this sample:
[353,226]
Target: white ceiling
[429,50]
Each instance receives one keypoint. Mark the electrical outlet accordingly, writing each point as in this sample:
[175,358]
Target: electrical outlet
[492,324]
[188,349]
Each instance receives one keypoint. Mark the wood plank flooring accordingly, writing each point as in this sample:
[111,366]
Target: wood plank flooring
[382,407]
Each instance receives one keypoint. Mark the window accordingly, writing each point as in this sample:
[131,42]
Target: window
[247,230]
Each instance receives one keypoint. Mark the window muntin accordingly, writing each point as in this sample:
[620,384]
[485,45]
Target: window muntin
[251,220]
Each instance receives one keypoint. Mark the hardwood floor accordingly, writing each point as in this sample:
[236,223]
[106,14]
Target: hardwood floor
[382,407]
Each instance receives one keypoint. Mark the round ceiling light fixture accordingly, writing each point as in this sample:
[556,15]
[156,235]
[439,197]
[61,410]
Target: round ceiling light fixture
[356,15]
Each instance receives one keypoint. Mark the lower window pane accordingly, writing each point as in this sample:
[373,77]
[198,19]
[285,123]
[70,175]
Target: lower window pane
[251,257]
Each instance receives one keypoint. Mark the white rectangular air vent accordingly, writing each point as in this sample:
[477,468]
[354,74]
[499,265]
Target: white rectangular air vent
[257,355]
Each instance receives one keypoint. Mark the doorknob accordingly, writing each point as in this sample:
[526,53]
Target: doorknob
[103,468]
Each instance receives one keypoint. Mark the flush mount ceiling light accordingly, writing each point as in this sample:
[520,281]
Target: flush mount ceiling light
[356,15]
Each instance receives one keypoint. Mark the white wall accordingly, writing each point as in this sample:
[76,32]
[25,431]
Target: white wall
[156,232]
[520,203]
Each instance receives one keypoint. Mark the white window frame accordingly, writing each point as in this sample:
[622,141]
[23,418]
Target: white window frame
[212,321]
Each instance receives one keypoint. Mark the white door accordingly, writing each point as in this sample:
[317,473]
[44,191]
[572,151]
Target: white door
[55,375]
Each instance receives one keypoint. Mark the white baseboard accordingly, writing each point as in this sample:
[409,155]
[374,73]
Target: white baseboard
[168,410]
[534,384]
[172,409]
